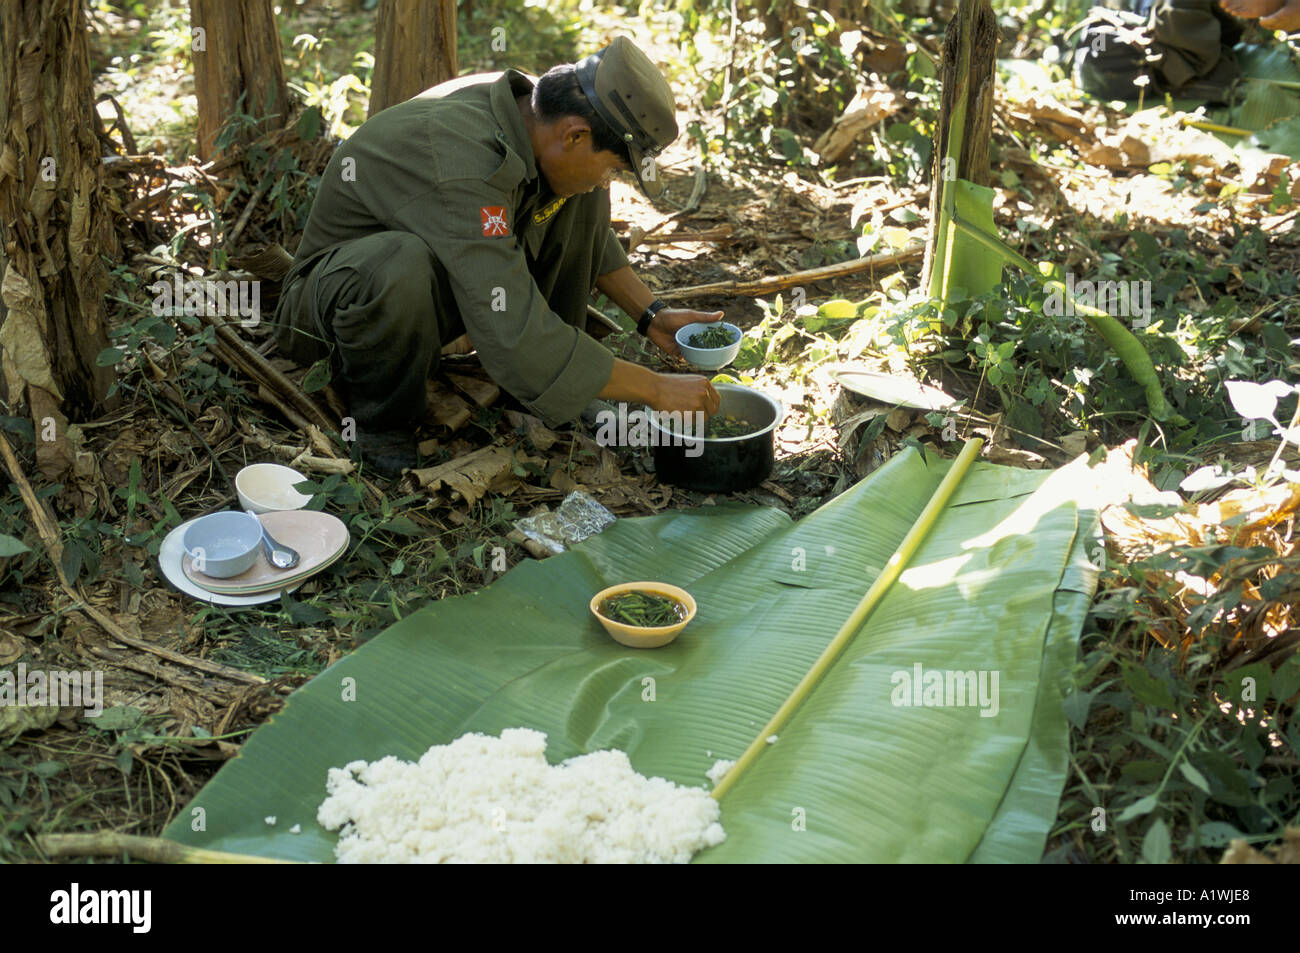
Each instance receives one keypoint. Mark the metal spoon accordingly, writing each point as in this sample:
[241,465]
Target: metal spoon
[279,555]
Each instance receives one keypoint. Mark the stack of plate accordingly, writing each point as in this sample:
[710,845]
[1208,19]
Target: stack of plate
[319,538]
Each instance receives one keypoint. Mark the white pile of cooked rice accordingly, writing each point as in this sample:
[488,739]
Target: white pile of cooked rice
[496,800]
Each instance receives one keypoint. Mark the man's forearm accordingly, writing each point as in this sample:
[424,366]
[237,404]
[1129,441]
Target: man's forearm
[626,290]
[632,383]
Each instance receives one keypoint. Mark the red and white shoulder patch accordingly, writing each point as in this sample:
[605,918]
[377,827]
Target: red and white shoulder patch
[494,221]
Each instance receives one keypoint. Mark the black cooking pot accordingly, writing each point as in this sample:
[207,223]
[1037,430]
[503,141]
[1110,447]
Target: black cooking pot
[722,464]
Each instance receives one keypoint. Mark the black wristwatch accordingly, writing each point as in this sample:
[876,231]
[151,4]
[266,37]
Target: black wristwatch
[643,326]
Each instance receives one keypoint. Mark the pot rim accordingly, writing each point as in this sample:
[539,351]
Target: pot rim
[776,404]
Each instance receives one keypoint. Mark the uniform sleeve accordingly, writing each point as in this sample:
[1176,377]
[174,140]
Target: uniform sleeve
[614,257]
[552,368]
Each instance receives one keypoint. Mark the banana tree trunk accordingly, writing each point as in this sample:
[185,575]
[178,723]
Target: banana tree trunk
[55,228]
[961,138]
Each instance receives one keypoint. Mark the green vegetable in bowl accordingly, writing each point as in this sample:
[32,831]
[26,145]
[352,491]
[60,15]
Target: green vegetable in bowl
[714,336]
[646,609]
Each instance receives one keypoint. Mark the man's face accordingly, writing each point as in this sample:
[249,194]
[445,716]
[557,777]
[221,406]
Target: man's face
[571,166]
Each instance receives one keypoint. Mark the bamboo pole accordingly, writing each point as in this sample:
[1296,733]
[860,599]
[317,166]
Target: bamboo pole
[888,576]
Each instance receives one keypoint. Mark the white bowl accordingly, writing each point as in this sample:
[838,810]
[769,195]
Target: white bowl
[267,487]
[224,544]
[708,358]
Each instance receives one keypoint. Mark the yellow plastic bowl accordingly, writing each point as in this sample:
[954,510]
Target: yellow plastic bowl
[644,637]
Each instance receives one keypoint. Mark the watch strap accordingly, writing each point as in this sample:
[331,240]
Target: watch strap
[643,326]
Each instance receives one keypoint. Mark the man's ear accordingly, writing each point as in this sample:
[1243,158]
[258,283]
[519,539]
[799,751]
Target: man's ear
[575,127]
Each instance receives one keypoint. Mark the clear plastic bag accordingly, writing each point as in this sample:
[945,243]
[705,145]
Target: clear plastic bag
[577,518]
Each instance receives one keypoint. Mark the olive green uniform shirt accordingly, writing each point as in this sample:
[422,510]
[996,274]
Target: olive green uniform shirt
[454,166]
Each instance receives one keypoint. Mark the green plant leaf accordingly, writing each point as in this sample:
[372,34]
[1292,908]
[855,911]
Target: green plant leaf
[309,123]
[1077,705]
[1249,685]
[9,546]
[1286,680]
[1155,846]
[1148,689]
[303,613]
[317,376]
[1139,808]
[118,718]
[874,776]
[1143,771]
[1282,137]
[972,270]
[1194,777]
[1264,105]
[1225,774]
[1211,834]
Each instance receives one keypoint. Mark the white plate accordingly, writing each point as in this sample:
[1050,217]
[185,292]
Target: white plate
[170,554]
[319,538]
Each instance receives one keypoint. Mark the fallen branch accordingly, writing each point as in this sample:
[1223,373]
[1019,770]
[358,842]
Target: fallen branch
[155,850]
[48,529]
[238,352]
[247,213]
[534,548]
[719,233]
[636,236]
[778,282]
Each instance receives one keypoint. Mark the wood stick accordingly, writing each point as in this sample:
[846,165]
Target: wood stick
[719,233]
[636,236]
[314,464]
[778,282]
[697,191]
[156,850]
[247,213]
[535,549]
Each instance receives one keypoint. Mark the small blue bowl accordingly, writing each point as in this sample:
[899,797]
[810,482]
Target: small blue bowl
[708,358]
[224,544]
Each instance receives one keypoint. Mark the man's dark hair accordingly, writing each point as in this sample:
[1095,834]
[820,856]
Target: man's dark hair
[558,94]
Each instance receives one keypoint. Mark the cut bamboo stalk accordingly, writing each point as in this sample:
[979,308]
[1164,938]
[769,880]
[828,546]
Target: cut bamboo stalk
[1215,127]
[888,576]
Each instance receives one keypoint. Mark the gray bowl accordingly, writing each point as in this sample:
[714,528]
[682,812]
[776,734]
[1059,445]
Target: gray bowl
[708,358]
[224,544]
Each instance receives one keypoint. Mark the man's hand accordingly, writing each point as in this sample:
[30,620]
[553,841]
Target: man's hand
[1273,14]
[686,393]
[668,321]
